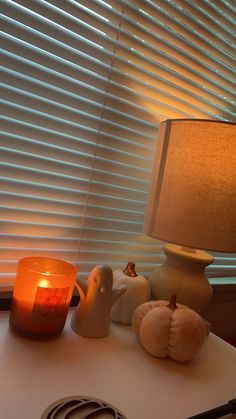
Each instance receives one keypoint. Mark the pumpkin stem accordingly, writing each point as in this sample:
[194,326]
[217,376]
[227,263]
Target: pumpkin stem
[172,304]
[130,269]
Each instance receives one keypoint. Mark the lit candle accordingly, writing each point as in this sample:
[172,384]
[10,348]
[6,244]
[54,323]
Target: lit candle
[41,297]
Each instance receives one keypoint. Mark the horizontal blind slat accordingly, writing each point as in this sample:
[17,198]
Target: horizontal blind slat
[171,83]
[85,87]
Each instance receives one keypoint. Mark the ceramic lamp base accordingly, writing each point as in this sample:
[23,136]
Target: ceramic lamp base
[183,274]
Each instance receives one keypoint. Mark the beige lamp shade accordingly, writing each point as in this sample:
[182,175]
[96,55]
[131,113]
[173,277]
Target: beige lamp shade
[192,198]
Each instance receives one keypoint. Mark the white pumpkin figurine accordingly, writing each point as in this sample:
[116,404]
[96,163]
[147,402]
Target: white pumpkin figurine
[137,292]
[166,329]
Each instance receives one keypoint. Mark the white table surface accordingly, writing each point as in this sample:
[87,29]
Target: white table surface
[115,369]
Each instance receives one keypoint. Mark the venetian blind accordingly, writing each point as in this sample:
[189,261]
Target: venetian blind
[84,86]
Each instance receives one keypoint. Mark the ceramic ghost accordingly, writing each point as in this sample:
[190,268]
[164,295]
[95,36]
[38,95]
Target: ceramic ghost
[91,318]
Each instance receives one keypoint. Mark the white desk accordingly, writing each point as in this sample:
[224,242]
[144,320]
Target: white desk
[115,369]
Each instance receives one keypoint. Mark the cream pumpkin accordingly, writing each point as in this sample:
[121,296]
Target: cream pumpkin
[137,292]
[169,330]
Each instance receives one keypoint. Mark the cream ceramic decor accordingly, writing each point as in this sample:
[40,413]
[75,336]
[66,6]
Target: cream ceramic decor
[166,329]
[183,273]
[138,292]
[91,318]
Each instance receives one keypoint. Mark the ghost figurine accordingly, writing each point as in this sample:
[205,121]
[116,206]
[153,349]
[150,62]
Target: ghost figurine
[91,317]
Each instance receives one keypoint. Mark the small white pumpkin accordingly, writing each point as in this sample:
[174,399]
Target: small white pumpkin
[138,291]
[169,330]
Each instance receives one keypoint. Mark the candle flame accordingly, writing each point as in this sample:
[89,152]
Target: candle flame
[43,283]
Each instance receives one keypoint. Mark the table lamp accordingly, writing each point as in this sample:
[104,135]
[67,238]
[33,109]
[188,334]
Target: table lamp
[192,205]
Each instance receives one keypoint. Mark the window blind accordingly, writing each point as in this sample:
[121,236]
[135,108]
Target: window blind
[84,86]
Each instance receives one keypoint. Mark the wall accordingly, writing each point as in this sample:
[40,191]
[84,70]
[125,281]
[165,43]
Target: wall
[222,311]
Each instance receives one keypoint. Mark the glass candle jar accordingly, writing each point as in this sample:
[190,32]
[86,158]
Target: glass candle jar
[41,296]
